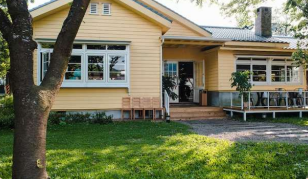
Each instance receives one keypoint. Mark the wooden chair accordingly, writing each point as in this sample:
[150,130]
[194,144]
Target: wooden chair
[137,106]
[157,107]
[126,106]
[147,105]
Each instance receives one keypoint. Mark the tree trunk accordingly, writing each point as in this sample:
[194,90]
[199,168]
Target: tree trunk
[29,157]
[33,103]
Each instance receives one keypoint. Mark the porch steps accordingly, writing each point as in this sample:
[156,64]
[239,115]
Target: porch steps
[196,113]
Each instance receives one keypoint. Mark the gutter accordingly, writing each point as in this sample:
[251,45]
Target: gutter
[206,39]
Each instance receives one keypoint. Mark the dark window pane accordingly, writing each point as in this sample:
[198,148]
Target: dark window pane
[244,59]
[73,67]
[96,67]
[48,45]
[259,67]
[95,76]
[242,68]
[75,59]
[259,59]
[77,46]
[95,59]
[116,47]
[96,47]
[73,75]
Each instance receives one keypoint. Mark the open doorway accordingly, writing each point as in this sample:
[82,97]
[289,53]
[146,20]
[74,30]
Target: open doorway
[186,82]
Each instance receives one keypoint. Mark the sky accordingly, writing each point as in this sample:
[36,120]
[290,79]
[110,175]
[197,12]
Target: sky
[206,15]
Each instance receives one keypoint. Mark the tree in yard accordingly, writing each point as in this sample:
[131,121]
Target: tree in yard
[32,103]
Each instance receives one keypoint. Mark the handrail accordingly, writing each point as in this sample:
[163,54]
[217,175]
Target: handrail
[167,103]
[268,100]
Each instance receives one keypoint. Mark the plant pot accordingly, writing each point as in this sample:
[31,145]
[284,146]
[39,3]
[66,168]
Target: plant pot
[246,104]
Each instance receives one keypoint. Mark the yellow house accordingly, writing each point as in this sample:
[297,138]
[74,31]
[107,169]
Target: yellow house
[123,48]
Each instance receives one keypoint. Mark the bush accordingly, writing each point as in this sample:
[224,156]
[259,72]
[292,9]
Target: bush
[7,112]
[101,118]
[63,118]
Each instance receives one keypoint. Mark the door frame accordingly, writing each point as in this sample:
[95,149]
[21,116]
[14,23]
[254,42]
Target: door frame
[194,75]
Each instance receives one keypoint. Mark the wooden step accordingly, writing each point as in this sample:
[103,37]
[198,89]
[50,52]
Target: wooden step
[197,118]
[197,114]
[196,109]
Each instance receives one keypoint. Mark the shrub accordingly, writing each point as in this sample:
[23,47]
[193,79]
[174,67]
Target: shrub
[7,112]
[63,118]
[101,118]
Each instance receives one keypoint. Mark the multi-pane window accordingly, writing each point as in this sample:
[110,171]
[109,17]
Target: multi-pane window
[91,65]
[259,73]
[278,73]
[117,67]
[171,69]
[73,72]
[96,67]
[269,70]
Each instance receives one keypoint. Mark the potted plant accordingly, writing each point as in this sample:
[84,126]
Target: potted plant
[241,81]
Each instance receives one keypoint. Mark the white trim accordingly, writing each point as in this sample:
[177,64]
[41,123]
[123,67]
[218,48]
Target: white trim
[103,9]
[269,62]
[84,82]
[90,9]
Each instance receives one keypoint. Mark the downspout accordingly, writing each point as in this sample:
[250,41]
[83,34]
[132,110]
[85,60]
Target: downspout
[161,71]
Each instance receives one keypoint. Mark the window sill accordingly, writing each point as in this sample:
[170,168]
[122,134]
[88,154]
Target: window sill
[94,85]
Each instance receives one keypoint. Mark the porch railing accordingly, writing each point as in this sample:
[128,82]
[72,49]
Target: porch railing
[270,99]
[167,103]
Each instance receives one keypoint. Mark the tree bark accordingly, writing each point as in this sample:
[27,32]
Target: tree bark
[33,103]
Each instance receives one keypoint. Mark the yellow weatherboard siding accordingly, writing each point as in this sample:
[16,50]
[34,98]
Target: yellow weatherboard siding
[122,25]
[211,71]
[178,29]
[226,66]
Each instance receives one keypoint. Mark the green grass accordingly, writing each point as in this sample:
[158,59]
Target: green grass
[157,150]
[292,120]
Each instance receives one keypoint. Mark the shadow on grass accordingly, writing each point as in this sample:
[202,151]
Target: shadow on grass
[160,150]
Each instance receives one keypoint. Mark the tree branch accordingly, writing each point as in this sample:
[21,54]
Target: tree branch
[5,25]
[64,44]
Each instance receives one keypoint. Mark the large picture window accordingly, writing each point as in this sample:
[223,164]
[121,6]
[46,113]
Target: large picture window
[270,71]
[91,65]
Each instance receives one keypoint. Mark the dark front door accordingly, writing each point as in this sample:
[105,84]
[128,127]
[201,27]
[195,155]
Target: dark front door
[186,81]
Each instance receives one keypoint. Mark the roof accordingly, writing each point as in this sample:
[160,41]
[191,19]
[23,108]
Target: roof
[137,1]
[240,34]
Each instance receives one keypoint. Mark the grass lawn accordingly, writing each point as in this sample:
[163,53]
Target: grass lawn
[157,150]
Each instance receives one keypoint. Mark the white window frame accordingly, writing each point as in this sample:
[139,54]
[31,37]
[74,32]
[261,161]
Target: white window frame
[87,68]
[269,62]
[90,9]
[103,9]
[82,70]
[84,83]
[108,69]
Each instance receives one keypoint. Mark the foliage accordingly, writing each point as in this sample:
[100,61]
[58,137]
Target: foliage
[63,118]
[169,85]
[7,112]
[4,58]
[241,81]
[300,57]
[157,150]
[101,118]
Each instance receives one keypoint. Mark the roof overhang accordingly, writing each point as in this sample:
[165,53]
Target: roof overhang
[58,5]
[193,40]
[178,18]
[257,44]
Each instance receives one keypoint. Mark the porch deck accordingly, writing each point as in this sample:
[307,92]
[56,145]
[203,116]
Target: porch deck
[270,102]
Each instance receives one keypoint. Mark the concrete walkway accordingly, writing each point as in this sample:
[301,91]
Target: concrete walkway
[250,131]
